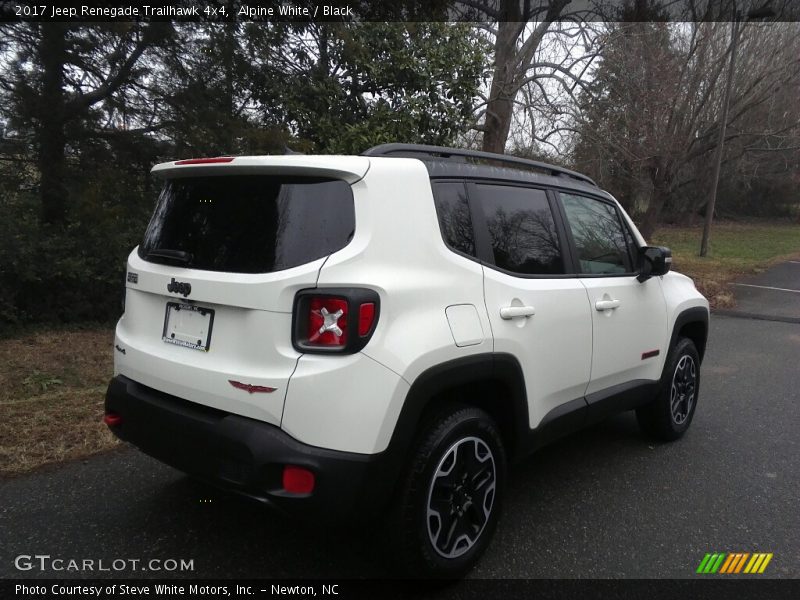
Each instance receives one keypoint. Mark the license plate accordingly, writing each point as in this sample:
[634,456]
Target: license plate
[188,326]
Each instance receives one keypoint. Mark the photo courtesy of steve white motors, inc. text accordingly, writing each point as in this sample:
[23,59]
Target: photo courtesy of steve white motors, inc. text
[139,590]
[277,10]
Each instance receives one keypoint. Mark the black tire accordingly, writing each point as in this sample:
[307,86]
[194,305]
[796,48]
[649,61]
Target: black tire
[669,415]
[458,465]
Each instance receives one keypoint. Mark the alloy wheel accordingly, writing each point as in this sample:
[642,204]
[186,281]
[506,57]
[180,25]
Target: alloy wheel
[682,391]
[461,497]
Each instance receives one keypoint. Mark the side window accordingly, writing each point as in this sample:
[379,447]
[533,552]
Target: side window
[454,218]
[600,239]
[521,229]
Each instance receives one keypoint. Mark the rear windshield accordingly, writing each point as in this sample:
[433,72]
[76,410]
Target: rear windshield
[248,224]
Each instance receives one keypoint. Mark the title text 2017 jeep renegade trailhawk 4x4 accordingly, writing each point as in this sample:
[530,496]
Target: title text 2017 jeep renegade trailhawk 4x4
[380,334]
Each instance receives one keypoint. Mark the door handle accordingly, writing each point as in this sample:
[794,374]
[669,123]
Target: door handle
[606,304]
[512,312]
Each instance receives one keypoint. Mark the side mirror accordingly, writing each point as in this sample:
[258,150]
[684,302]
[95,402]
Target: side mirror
[653,262]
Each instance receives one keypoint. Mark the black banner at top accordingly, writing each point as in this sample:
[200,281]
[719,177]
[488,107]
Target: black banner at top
[90,11]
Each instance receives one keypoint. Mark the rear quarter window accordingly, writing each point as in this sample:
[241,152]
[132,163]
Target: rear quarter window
[455,222]
[248,224]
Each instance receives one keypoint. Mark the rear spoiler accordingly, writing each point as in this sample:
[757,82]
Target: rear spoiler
[346,168]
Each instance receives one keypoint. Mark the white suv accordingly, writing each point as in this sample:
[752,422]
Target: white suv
[378,335]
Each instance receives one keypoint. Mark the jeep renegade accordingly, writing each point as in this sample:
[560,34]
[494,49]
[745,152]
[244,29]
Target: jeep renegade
[379,335]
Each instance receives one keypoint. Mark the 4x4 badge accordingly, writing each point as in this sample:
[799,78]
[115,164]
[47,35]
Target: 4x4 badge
[178,287]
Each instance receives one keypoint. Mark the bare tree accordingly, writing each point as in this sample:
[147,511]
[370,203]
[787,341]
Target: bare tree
[654,114]
[517,29]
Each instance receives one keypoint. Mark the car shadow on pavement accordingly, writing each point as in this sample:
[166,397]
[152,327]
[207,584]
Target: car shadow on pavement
[233,536]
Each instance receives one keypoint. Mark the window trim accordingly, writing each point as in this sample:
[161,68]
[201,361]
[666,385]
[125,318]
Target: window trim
[573,246]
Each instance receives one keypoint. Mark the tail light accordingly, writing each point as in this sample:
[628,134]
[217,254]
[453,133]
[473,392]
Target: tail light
[327,321]
[366,317]
[205,161]
[339,320]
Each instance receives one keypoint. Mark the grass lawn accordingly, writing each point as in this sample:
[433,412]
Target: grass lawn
[736,249]
[52,387]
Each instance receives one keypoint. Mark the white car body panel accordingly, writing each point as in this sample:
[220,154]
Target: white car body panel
[622,335]
[348,403]
[553,346]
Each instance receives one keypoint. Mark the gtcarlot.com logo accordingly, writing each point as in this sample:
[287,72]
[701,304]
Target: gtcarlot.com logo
[734,563]
[46,562]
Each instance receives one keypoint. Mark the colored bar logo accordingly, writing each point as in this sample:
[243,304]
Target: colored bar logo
[732,563]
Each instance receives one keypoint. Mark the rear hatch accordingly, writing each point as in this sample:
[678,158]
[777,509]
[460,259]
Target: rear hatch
[210,289]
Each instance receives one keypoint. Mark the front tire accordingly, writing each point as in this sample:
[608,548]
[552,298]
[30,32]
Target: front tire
[450,501]
[668,417]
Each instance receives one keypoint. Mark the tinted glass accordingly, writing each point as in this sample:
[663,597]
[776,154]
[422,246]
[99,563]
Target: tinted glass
[249,224]
[521,229]
[599,237]
[454,217]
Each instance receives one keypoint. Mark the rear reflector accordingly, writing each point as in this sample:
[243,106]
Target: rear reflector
[327,321]
[112,419]
[366,316]
[297,480]
[205,161]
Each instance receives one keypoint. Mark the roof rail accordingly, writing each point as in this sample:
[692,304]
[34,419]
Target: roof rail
[441,152]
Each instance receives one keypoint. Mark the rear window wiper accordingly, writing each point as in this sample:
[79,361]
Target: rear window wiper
[176,255]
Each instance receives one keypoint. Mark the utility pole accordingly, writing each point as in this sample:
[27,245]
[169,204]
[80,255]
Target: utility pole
[763,12]
[721,142]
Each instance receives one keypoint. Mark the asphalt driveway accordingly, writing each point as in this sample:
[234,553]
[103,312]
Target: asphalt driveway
[773,294]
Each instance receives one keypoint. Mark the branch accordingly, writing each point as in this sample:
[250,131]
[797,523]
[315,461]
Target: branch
[486,27]
[525,54]
[555,67]
[84,101]
[111,133]
[483,8]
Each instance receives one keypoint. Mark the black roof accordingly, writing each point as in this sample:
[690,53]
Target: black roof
[442,161]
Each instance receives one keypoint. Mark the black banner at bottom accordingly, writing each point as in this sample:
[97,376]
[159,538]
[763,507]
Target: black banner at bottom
[529,589]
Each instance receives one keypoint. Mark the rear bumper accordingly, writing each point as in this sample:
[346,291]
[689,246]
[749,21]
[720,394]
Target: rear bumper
[247,456]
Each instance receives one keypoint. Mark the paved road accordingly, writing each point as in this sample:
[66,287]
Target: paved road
[773,294]
[603,503]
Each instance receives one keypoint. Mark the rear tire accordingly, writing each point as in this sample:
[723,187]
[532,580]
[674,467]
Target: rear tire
[668,417]
[450,500]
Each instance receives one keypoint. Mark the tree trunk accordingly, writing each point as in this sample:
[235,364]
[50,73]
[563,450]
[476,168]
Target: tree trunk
[499,108]
[52,138]
[228,51]
[653,212]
